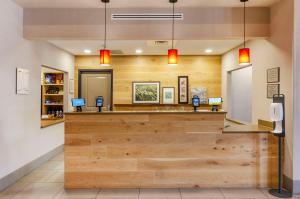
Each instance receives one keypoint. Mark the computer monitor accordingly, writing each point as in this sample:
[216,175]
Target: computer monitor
[215,101]
[78,103]
[99,103]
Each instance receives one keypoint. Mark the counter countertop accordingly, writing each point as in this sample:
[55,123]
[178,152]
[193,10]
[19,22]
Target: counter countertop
[148,112]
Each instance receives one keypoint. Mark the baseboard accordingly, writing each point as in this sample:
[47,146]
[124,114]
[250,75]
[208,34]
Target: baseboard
[287,183]
[296,187]
[26,169]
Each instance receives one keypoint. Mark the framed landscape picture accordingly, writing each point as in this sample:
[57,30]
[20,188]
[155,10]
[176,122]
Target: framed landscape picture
[146,92]
[168,95]
[183,89]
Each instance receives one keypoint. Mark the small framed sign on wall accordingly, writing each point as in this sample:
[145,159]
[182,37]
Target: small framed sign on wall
[273,75]
[272,89]
[23,77]
[183,89]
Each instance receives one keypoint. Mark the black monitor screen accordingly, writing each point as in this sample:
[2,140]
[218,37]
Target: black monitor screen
[78,102]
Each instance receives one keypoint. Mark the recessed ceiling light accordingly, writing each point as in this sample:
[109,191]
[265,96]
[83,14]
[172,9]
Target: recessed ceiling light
[87,51]
[138,51]
[208,51]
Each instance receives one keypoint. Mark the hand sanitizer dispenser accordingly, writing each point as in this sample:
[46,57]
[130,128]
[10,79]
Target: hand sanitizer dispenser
[276,113]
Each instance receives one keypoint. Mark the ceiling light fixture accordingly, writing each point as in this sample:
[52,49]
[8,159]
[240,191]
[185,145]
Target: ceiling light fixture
[173,53]
[87,51]
[244,53]
[208,51]
[104,53]
[138,51]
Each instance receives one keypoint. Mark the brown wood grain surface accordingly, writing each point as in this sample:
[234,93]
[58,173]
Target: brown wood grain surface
[164,151]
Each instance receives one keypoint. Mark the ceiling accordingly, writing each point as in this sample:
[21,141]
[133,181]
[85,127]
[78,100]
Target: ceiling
[128,47]
[139,3]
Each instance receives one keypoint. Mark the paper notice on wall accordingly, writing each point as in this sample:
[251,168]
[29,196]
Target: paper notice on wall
[23,76]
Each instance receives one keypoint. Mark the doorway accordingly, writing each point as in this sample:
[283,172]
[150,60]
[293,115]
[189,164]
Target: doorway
[240,94]
[94,83]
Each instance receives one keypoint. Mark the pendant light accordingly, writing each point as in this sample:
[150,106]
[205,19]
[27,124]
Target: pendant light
[244,53]
[104,53]
[173,53]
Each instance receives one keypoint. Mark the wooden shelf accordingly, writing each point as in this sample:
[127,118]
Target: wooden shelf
[53,84]
[53,104]
[53,94]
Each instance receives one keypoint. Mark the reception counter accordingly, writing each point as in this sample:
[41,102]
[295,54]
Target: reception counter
[164,149]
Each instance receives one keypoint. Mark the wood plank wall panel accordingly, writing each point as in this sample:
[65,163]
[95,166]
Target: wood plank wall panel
[164,150]
[203,71]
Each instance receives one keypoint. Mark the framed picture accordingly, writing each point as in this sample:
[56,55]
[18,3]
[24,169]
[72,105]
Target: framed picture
[168,95]
[201,93]
[183,89]
[146,92]
[22,81]
[272,89]
[273,75]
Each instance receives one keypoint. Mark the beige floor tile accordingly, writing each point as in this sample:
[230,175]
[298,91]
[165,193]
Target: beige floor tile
[58,176]
[39,191]
[13,190]
[77,194]
[38,176]
[58,157]
[52,165]
[159,194]
[243,193]
[201,193]
[118,194]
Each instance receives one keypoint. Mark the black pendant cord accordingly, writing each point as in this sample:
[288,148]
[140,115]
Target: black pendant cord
[173,21]
[245,24]
[105,30]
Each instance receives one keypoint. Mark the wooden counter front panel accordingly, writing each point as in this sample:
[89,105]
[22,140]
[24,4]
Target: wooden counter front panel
[164,151]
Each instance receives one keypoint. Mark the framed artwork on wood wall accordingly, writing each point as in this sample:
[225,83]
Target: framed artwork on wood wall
[146,92]
[183,89]
[168,95]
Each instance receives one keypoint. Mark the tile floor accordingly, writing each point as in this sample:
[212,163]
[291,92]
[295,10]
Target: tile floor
[47,182]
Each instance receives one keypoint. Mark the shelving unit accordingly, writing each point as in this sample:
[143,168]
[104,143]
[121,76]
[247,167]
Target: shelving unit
[52,95]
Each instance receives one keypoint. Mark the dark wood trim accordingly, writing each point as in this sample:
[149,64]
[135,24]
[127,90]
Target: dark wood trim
[91,71]
[187,90]
[142,83]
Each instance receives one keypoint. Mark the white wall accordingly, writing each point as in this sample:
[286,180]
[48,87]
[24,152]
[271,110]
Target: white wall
[275,51]
[296,157]
[21,138]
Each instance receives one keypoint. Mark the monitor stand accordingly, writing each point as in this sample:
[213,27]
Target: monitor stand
[78,109]
[215,108]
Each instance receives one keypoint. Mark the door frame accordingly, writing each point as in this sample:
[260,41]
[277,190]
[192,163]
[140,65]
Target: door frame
[92,71]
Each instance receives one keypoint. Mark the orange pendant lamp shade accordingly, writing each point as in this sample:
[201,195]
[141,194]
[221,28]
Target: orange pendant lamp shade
[105,57]
[172,56]
[244,57]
